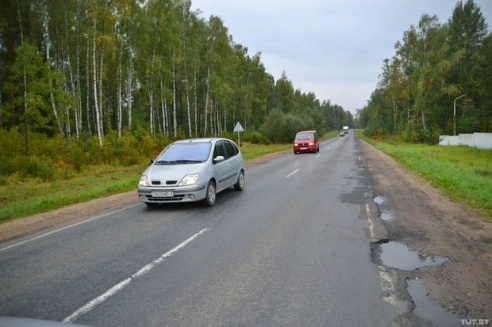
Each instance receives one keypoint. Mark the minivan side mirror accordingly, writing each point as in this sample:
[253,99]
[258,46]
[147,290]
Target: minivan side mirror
[219,159]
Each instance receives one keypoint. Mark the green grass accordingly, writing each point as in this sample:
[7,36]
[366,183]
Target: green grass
[23,196]
[463,173]
[251,151]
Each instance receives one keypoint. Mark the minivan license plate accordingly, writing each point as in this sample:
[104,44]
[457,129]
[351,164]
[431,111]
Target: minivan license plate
[162,194]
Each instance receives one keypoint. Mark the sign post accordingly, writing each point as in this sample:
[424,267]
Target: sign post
[238,128]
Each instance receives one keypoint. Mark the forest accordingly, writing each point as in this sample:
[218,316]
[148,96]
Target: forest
[102,70]
[438,82]
[106,81]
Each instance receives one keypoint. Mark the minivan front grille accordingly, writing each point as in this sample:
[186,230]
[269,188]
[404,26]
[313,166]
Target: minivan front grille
[166,182]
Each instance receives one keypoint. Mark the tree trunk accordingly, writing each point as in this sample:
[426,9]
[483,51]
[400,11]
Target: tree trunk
[47,45]
[94,79]
[88,89]
[151,97]
[24,79]
[129,91]
[175,120]
[165,123]
[119,113]
[151,112]
[196,103]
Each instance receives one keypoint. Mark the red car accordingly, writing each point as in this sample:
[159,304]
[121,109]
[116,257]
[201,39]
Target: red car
[306,141]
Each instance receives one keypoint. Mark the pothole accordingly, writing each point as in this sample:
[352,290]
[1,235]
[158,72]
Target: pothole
[426,309]
[379,199]
[385,213]
[397,255]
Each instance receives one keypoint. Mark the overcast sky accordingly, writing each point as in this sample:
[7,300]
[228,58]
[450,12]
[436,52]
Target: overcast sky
[333,48]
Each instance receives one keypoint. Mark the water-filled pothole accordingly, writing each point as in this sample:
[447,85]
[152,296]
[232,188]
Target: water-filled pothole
[428,310]
[396,255]
[387,215]
[379,199]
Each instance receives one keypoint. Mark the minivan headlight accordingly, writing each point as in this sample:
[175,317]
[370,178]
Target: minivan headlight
[189,179]
[143,181]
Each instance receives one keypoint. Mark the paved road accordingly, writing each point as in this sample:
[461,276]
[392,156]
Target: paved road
[292,249]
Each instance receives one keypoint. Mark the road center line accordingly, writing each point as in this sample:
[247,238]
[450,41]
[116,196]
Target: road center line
[121,285]
[292,173]
[66,227]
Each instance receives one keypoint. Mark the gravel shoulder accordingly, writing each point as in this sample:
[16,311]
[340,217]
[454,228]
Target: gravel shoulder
[428,222]
[423,219]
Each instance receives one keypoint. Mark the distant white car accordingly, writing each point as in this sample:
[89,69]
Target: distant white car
[192,170]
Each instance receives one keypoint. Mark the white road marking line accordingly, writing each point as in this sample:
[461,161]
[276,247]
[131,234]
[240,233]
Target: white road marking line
[317,156]
[388,285]
[292,173]
[371,225]
[121,285]
[66,227]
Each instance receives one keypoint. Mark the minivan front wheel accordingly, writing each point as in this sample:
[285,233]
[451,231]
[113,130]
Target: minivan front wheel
[210,194]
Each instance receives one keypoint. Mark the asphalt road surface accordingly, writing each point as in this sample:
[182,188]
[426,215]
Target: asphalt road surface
[292,249]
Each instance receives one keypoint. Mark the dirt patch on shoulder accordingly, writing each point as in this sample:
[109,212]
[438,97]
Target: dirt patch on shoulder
[428,222]
[24,226]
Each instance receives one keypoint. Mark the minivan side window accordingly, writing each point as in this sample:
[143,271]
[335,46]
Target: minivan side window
[219,150]
[231,149]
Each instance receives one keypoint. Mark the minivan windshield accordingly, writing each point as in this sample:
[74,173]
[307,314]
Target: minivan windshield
[184,153]
[304,136]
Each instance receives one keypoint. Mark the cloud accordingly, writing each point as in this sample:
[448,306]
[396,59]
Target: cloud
[332,48]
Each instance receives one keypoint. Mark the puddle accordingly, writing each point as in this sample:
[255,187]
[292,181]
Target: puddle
[387,215]
[379,199]
[428,310]
[396,255]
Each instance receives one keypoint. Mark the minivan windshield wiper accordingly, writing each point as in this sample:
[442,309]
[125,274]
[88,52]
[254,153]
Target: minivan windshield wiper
[185,161]
[176,162]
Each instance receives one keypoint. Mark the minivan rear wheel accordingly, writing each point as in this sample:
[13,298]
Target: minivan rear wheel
[239,186]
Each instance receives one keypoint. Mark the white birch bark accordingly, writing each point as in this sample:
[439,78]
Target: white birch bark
[165,124]
[151,112]
[151,97]
[47,45]
[195,105]
[119,112]
[94,79]
[175,121]
[129,95]
[188,110]
[88,88]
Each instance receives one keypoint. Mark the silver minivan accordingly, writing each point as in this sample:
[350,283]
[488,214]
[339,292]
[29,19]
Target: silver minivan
[192,170]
